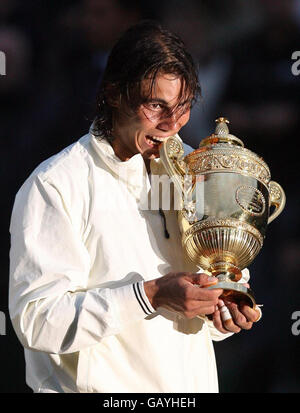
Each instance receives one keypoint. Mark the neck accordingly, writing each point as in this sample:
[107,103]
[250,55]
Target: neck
[120,152]
[147,164]
[123,156]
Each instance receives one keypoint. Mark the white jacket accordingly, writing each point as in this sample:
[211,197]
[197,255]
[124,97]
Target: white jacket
[80,250]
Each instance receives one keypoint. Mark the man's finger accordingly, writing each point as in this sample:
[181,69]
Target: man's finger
[201,279]
[203,294]
[218,322]
[238,316]
[252,314]
[207,310]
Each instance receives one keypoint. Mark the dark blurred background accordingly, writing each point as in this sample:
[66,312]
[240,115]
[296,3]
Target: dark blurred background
[55,55]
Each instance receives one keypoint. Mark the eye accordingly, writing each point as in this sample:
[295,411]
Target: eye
[155,106]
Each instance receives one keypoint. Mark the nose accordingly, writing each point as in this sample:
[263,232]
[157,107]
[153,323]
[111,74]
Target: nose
[172,122]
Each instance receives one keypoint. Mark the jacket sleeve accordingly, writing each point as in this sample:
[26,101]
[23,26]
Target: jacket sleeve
[51,307]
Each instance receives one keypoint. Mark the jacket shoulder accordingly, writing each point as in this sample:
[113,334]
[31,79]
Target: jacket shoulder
[69,161]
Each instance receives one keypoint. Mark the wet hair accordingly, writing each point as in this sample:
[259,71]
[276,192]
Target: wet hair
[143,52]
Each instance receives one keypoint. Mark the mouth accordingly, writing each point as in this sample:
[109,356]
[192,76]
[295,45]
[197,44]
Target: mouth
[154,140]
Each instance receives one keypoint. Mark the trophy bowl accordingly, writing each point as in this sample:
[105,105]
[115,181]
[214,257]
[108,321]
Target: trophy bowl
[227,199]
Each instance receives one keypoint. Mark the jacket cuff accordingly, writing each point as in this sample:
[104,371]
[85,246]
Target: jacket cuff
[142,298]
[131,303]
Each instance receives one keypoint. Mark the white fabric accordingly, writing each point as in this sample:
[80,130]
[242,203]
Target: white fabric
[80,250]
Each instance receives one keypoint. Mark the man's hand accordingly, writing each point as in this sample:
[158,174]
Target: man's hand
[237,317]
[184,292]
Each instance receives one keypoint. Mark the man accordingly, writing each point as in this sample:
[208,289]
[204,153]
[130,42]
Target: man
[100,298]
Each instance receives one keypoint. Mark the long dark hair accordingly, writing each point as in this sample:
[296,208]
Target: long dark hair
[145,50]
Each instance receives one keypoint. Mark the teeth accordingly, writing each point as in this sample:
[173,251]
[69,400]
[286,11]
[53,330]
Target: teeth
[157,138]
[151,140]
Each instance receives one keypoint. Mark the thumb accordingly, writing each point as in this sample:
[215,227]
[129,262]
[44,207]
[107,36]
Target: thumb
[203,280]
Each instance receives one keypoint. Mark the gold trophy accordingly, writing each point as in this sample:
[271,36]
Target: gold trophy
[226,202]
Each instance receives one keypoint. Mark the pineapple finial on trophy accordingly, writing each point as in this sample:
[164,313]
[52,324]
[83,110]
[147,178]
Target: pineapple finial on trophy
[222,128]
[221,135]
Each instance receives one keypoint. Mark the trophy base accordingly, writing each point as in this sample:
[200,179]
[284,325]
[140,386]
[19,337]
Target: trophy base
[228,275]
[235,292]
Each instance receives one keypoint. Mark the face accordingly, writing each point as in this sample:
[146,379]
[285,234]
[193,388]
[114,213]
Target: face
[161,115]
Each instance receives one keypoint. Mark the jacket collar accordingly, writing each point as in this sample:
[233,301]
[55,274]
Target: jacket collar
[132,173]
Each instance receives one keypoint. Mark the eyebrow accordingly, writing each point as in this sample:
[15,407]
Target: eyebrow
[156,100]
[162,101]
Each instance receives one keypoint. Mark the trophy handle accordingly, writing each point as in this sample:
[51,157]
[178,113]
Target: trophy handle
[277,198]
[171,155]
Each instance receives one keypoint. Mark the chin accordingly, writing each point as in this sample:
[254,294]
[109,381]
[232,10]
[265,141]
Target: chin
[150,154]
[153,156]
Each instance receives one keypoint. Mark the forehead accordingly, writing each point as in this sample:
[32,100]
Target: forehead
[166,87]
